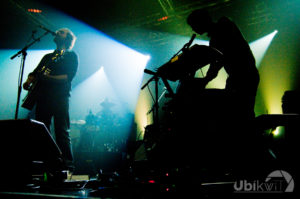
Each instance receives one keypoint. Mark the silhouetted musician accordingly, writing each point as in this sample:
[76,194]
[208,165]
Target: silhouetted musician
[212,127]
[238,60]
[227,48]
[216,119]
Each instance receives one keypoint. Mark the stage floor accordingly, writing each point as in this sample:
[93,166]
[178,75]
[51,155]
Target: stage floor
[148,182]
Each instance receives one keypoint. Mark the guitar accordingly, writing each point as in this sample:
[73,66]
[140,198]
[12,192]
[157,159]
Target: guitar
[33,92]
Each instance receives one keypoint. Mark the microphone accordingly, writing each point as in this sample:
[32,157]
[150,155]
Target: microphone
[46,29]
[187,45]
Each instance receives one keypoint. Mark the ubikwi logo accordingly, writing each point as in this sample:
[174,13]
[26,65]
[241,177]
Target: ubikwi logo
[278,181]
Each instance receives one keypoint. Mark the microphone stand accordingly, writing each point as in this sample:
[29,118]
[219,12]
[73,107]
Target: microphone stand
[155,106]
[20,80]
[156,77]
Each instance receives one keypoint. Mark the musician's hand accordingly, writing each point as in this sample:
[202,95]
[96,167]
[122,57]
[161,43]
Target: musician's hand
[26,85]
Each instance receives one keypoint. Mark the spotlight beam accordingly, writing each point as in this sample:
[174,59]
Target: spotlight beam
[259,47]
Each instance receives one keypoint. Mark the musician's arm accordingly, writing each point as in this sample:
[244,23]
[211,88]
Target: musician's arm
[55,78]
[68,72]
[32,76]
[213,71]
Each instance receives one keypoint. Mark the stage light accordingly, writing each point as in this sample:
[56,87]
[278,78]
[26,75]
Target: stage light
[274,72]
[260,46]
[278,132]
[163,18]
[33,10]
[142,117]
[201,42]
[88,95]
[123,66]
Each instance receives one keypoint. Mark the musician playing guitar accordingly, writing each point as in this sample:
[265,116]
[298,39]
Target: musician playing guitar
[53,77]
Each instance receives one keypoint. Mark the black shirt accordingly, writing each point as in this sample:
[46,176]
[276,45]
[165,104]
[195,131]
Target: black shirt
[57,63]
[239,62]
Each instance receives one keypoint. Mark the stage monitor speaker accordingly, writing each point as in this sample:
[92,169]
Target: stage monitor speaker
[23,142]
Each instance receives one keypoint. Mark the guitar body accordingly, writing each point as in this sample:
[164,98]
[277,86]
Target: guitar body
[31,97]
[33,92]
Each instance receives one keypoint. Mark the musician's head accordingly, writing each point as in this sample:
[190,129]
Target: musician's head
[65,38]
[200,21]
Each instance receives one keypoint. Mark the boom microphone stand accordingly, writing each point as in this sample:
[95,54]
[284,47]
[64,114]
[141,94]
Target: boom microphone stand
[155,106]
[20,80]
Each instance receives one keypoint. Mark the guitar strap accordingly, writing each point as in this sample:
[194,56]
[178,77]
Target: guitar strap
[58,55]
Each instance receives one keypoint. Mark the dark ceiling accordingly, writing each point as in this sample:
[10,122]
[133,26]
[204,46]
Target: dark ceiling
[137,24]
[120,18]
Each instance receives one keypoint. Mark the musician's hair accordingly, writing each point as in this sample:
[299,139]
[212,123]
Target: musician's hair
[70,39]
[199,15]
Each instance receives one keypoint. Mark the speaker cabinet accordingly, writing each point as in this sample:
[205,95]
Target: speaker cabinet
[23,143]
